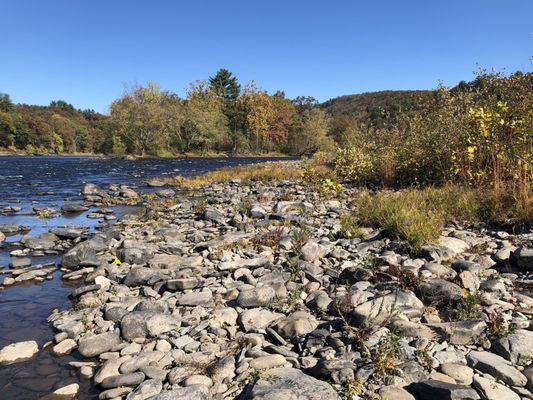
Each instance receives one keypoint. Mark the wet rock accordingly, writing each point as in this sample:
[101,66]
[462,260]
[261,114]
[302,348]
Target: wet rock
[288,384]
[90,189]
[94,345]
[19,262]
[10,229]
[18,352]
[438,390]
[73,208]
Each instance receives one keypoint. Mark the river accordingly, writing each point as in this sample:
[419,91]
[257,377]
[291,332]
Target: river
[27,182]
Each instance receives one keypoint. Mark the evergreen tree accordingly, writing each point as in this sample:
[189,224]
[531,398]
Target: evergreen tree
[225,84]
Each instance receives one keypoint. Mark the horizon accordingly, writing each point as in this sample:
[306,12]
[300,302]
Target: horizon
[87,55]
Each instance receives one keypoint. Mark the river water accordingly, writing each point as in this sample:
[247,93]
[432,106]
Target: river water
[26,182]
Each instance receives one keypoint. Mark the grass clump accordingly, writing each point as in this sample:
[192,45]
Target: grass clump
[404,215]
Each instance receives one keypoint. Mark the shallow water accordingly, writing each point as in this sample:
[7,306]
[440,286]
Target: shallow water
[50,181]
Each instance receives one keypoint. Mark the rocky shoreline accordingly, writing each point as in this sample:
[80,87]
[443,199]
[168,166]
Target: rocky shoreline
[254,291]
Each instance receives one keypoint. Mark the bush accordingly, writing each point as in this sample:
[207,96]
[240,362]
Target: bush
[354,165]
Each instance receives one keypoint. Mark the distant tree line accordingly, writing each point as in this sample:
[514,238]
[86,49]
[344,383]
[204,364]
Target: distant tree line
[217,115]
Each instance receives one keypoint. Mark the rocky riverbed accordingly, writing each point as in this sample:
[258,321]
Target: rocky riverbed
[254,291]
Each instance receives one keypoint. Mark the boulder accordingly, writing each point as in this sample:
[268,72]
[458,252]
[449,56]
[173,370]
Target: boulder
[492,390]
[257,297]
[296,324]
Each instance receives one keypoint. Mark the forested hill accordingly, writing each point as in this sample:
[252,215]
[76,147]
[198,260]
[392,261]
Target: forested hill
[374,104]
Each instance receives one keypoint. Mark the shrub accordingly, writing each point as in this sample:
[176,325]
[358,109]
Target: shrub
[354,165]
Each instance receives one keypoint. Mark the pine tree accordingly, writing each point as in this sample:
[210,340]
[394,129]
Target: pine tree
[225,84]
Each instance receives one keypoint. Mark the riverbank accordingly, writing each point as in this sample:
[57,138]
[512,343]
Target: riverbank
[15,152]
[262,288]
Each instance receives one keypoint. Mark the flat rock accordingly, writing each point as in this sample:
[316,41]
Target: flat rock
[492,390]
[496,366]
[438,390]
[123,380]
[257,297]
[195,392]
[290,384]
[91,346]
[18,352]
[73,208]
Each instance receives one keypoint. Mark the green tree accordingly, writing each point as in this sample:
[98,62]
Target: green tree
[5,102]
[225,84]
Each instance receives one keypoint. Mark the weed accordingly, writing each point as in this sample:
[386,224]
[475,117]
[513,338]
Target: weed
[468,307]
[350,226]
[407,280]
[268,239]
[352,389]
[497,327]
[300,236]
[385,355]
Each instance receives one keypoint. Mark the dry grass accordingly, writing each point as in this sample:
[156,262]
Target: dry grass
[266,172]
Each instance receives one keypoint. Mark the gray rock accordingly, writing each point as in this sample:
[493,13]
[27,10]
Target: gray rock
[142,276]
[462,374]
[10,229]
[296,324]
[517,347]
[439,290]
[84,289]
[195,392]
[142,324]
[257,318]
[528,373]
[94,345]
[313,251]
[394,393]
[267,362]
[496,366]
[146,390]
[257,297]
[122,380]
[491,390]
[73,208]
[192,299]
[290,384]
[64,347]
[90,189]
[182,283]
[438,390]
[19,262]
[84,252]
[18,352]
[524,257]
[386,308]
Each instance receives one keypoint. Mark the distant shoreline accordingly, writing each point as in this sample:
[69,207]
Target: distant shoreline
[131,157]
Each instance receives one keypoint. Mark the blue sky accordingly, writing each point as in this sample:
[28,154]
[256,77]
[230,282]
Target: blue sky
[85,51]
